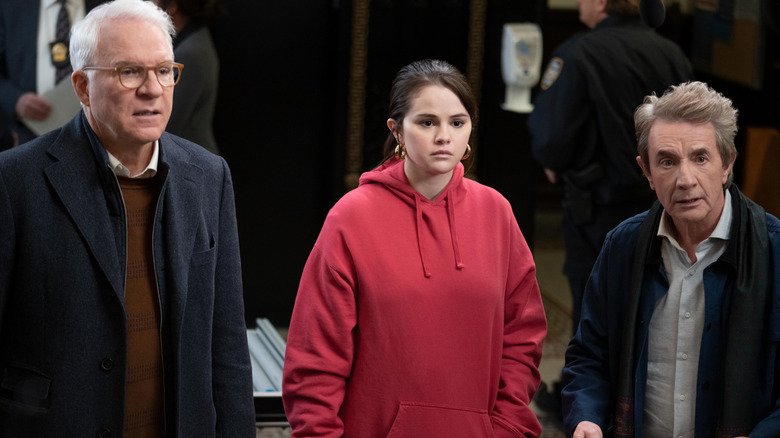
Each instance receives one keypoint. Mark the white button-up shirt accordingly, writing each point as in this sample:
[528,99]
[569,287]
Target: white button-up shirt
[675,332]
[47,32]
[151,168]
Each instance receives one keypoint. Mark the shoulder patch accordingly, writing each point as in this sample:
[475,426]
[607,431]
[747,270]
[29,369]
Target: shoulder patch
[551,74]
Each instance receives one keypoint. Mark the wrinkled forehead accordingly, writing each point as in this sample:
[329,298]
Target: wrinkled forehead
[682,138]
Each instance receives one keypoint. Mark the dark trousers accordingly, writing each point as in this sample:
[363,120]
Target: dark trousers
[583,243]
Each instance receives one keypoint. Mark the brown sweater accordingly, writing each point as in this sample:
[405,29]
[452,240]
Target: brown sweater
[144,376]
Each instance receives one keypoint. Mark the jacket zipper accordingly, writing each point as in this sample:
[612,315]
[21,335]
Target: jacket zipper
[159,304]
[157,286]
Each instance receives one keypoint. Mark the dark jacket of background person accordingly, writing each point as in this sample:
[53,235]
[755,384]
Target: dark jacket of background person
[18,56]
[582,128]
[196,93]
[586,115]
[63,330]
[195,98]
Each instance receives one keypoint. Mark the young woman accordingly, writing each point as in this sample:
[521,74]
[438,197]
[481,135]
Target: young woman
[418,312]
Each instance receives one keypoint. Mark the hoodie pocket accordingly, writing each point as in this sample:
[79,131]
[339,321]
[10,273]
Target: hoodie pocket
[431,420]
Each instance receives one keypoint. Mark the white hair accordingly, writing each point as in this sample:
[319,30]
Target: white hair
[85,34]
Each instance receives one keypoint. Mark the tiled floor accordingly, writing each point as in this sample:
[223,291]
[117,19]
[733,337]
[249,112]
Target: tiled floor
[548,255]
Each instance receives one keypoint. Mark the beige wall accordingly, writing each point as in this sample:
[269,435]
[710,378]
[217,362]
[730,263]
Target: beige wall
[562,4]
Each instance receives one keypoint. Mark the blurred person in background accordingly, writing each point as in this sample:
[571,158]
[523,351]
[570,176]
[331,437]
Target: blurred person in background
[34,59]
[196,94]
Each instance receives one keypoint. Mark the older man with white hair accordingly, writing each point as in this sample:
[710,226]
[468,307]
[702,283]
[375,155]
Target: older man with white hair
[121,307]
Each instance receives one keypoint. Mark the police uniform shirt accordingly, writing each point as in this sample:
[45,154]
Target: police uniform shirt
[47,26]
[583,112]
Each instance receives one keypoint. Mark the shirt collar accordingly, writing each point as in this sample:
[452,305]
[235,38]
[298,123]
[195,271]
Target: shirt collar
[721,230]
[49,3]
[151,168]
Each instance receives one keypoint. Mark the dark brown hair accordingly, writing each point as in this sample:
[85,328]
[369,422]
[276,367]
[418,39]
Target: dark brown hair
[417,75]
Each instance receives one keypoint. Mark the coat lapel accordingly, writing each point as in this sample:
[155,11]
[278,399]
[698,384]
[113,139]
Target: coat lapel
[181,202]
[89,198]
[75,178]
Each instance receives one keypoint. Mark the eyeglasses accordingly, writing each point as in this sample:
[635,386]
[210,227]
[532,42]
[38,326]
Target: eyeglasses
[133,76]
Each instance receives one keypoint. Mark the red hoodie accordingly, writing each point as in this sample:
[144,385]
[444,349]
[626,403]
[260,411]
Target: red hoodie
[416,318]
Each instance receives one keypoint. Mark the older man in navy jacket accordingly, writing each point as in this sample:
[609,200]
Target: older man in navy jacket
[121,308]
[681,317]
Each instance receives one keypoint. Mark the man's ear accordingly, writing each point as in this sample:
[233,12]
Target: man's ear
[80,86]
[727,170]
[645,171]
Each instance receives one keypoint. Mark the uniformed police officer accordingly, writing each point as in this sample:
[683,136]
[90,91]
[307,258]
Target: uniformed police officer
[582,125]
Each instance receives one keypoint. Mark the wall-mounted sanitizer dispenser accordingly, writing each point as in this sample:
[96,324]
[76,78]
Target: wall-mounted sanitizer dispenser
[521,64]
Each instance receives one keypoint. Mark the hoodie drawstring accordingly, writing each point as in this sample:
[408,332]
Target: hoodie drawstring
[453,233]
[418,210]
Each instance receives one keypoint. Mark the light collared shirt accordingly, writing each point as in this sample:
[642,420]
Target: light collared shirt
[151,168]
[47,33]
[675,332]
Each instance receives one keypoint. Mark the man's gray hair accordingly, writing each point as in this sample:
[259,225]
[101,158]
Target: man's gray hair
[690,102]
[85,34]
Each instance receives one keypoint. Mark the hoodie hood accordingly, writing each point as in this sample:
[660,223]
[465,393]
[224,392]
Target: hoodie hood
[391,175]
